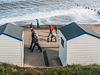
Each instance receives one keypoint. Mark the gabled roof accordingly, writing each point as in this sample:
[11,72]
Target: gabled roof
[12,31]
[73,30]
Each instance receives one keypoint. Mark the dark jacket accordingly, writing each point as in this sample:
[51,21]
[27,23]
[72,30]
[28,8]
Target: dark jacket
[32,35]
[55,28]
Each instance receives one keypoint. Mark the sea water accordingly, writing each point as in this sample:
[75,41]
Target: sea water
[55,12]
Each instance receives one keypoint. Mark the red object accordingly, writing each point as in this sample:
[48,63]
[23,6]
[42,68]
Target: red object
[51,28]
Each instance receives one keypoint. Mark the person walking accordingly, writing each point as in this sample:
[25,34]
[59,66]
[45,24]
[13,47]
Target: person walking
[32,36]
[56,29]
[31,26]
[53,35]
[37,23]
[51,30]
[36,43]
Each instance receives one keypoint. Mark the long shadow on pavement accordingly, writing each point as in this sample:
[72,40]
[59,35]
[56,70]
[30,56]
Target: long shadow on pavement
[37,59]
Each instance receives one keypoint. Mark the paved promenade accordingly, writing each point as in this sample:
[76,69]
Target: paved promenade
[49,54]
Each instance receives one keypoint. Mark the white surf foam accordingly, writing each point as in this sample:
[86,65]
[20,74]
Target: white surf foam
[49,12]
[79,15]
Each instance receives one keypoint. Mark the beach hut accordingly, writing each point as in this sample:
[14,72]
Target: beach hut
[11,44]
[78,45]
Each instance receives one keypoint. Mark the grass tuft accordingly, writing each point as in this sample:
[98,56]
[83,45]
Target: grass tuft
[7,69]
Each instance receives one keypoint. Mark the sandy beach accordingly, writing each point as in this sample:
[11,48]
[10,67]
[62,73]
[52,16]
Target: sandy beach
[36,59]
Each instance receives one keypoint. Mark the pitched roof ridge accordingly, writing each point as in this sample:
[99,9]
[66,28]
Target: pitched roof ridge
[79,27]
[6,27]
[82,28]
[87,31]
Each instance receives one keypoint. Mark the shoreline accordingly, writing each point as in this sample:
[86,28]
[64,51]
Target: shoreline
[42,27]
[46,27]
[94,27]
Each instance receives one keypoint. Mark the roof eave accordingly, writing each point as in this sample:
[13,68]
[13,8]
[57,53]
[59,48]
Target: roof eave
[12,36]
[93,35]
[67,39]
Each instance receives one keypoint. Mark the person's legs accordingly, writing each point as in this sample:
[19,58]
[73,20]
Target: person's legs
[56,31]
[49,34]
[37,25]
[33,47]
[51,38]
[39,47]
[55,39]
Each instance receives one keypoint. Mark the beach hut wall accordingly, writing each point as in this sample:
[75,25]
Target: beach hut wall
[81,45]
[11,44]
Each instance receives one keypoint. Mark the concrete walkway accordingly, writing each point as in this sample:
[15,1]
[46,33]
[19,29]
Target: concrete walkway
[36,59]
